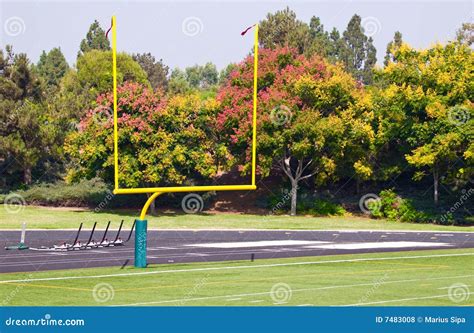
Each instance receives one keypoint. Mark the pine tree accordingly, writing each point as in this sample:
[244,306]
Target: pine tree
[391,46]
[358,51]
[320,39]
[156,71]
[52,66]
[284,29]
[95,39]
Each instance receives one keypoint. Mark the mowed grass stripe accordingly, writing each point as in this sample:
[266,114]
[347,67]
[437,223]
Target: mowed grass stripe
[236,267]
[70,218]
[328,283]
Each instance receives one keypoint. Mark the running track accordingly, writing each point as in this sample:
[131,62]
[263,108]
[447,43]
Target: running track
[178,246]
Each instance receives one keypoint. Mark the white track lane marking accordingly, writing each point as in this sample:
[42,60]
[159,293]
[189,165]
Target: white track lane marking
[124,256]
[376,245]
[232,245]
[402,300]
[294,290]
[204,269]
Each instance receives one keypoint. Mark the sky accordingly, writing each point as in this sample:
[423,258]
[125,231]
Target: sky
[184,33]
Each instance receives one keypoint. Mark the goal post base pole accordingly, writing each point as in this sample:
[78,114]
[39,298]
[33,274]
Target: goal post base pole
[140,243]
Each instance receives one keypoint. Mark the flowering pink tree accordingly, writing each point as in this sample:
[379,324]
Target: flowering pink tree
[305,108]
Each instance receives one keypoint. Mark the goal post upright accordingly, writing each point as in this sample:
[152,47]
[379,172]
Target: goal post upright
[141,224]
[114,74]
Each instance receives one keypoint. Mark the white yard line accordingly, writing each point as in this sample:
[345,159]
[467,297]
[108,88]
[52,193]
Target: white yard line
[222,268]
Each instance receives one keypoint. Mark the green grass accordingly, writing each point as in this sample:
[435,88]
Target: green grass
[395,282]
[69,218]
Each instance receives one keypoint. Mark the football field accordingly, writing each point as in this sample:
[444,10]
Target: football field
[429,278]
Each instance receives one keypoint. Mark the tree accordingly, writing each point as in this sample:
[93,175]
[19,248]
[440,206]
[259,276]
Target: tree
[306,124]
[194,75]
[224,75]
[284,29]
[358,53]
[161,142]
[392,47]
[465,34]
[320,41]
[156,71]
[79,88]
[209,75]
[336,45]
[178,84]
[52,67]
[431,89]
[202,77]
[95,40]
[26,137]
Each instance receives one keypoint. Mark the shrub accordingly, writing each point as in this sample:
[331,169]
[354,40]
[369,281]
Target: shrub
[83,193]
[393,207]
[306,204]
[325,207]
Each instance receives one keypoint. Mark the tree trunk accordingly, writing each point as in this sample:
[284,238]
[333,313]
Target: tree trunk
[435,186]
[294,196]
[27,175]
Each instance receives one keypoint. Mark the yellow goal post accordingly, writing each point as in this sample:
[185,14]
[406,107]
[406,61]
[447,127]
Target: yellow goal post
[141,224]
[118,190]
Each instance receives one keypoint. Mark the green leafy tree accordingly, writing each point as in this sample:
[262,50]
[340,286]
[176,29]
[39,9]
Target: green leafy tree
[209,75]
[224,75]
[157,71]
[194,75]
[95,40]
[26,137]
[52,67]
[79,88]
[178,84]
